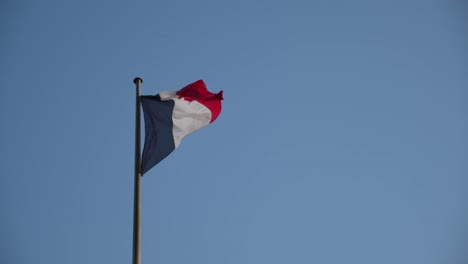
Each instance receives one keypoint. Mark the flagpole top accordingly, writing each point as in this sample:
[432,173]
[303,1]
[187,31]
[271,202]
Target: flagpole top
[137,80]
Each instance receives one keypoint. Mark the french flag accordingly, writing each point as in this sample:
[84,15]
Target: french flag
[170,116]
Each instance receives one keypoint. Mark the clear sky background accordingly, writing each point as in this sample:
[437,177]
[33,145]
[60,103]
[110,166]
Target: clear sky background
[343,136]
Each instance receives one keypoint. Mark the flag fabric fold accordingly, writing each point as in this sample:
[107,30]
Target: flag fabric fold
[170,116]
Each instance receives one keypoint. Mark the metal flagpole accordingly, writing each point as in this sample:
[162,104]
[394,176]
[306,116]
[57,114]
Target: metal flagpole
[137,193]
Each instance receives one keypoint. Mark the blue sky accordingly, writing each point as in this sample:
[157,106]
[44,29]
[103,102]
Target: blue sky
[342,137]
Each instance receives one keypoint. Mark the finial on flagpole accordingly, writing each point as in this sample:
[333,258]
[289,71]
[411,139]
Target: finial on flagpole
[137,80]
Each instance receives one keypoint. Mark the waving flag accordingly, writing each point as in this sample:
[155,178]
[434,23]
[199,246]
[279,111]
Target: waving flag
[170,116]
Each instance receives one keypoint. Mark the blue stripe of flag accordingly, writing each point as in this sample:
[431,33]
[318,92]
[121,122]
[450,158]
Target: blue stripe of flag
[159,140]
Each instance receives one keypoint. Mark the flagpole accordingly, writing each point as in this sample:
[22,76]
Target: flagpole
[137,191]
